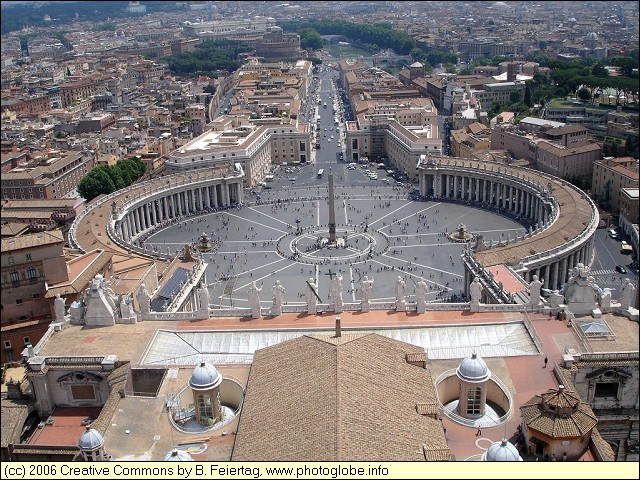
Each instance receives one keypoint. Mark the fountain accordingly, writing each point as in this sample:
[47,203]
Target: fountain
[461,234]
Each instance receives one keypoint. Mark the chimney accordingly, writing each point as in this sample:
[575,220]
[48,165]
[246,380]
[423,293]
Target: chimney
[338,327]
[30,351]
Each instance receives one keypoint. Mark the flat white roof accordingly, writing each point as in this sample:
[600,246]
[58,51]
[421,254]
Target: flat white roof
[238,347]
[542,121]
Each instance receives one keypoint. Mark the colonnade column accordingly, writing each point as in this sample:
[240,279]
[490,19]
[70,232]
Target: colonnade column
[563,271]
[207,198]
[136,219]
[225,193]
[554,276]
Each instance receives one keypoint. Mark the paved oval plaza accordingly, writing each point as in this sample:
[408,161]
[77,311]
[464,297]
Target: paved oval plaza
[280,234]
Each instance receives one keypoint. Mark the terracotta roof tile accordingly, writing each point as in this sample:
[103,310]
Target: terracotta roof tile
[347,398]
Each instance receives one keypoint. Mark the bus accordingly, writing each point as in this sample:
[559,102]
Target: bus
[320,173]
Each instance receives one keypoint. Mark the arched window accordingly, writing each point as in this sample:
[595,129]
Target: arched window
[13,275]
[32,275]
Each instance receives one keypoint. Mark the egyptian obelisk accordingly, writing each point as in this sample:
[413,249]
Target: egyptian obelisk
[332,212]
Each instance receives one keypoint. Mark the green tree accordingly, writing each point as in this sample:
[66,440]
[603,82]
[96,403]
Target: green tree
[527,95]
[310,39]
[584,94]
[515,96]
[599,70]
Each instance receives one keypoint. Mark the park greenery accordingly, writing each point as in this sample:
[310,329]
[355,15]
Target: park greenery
[208,58]
[105,179]
[15,17]
[371,38]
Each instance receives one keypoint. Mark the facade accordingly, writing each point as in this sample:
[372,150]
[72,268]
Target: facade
[563,162]
[54,179]
[397,131]
[610,177]
[70,92]
[608,383]
[254,147]
[29,262]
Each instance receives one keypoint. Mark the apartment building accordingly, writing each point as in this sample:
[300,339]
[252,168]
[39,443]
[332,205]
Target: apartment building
[29,262]
[468,141]
[52,178]
[70,92]
[569,161]
[610,177]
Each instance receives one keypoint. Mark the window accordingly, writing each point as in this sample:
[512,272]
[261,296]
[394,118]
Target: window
[606,390]
[18,301]
[205,406]
[36,296]
[28,257]
[7,344]
[474,397]
[32,275]
[13,275]
[10,260]
[26,340]
[83,392]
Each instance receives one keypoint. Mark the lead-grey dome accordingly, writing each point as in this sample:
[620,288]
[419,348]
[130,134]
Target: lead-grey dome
[503,451]
[473,369]
[591,36]
[205,377]
[176,455]
[90,439]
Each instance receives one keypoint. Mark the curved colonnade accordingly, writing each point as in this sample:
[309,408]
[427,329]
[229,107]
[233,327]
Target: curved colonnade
[565,218]
[118,221]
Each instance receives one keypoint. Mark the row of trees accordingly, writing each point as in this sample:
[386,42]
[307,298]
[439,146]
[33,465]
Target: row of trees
[208,58]
[368,37]
[105,179]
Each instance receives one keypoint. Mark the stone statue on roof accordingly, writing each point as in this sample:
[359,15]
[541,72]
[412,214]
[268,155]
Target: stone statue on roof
[421,296]
[144,301]
[628,295]
[254,299]
[366,285]
[311,296]
[336,293]
[58,305]
[534,291]
[278,292]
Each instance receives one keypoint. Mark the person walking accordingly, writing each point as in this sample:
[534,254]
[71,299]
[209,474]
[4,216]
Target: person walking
[546,360]
[479,432]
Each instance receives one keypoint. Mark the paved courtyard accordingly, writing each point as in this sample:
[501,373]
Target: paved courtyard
[277,235]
